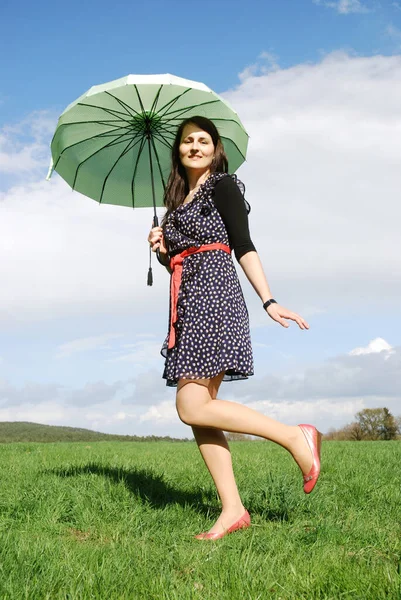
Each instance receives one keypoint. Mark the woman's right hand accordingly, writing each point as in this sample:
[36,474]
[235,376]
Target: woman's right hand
[156,240]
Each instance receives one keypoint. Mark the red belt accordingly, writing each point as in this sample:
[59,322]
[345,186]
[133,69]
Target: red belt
[176,267]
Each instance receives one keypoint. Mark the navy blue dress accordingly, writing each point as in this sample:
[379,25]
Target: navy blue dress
[212,328]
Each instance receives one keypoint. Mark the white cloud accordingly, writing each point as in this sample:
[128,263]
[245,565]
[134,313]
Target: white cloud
[266,63]
[345,7]
[148,387]
[67,256]
[121,416]
[48,413]
[324,146]
[145,335]
[322,177]
[368,374]
[328,394]
[24,147]
[140,352]
[142,390]
[85,344]
[165,412]
[377,345]
[93,393]
[323,413]
[396,5]
[31,392]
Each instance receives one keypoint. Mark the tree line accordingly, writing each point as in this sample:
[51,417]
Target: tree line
[22,431]
[369,424]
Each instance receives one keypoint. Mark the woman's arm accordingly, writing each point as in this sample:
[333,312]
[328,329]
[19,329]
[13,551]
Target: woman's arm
[252,267]
[231,206]
[230,203]
[164,257]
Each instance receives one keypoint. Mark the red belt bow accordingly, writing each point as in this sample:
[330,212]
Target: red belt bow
[176,267]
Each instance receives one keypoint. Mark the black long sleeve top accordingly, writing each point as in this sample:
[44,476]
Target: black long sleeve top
[232,208]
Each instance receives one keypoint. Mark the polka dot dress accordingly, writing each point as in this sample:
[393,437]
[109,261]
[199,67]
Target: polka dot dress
[212,328]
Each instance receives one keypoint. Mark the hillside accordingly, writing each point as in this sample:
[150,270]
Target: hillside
[22,431]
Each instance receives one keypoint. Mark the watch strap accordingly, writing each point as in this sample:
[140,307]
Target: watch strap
[268,302]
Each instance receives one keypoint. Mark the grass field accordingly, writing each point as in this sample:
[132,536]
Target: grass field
[116,520]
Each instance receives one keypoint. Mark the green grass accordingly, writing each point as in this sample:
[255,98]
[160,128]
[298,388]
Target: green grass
[116,520]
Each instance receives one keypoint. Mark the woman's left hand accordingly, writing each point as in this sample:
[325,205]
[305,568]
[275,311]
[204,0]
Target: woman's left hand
[279,313]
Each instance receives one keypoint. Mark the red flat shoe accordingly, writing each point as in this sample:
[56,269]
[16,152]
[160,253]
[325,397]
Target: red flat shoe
[242,523]
[314,440]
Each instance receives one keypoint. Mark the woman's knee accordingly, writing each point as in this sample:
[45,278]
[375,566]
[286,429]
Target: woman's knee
[185,415]
[190,398]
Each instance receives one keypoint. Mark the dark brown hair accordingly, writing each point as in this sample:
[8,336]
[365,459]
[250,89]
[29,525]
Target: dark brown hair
[177,185]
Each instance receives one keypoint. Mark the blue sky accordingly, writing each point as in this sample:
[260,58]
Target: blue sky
[53,52]
[316,84]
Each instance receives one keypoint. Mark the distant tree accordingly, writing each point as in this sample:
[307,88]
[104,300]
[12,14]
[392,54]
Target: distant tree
[370,424]
[389,427]
[331,434]
[354,431]
[377,424]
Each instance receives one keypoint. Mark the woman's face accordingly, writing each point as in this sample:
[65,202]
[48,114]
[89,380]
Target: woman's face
[196,148]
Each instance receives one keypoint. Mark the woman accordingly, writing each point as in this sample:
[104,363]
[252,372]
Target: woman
[209,339]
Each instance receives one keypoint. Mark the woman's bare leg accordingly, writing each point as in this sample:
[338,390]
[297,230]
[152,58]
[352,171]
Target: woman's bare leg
[196,408]
[214,449]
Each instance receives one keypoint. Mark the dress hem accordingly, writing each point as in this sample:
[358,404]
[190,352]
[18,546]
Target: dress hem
[236,376]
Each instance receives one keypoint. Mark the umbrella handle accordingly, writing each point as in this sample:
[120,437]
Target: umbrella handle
[150,275]
[156,224]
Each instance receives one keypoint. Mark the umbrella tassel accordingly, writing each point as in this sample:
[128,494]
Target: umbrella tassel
[150,275]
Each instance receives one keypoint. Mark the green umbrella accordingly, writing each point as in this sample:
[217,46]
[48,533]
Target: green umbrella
[114,143]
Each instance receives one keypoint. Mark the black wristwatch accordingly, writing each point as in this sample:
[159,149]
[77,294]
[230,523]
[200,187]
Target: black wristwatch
[268,302]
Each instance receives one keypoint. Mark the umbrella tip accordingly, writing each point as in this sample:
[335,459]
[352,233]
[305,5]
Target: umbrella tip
[50,171]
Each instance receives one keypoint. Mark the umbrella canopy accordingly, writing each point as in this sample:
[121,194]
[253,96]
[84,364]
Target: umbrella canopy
[113,144]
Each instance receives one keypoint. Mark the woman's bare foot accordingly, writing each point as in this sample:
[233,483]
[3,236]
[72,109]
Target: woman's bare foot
[227,518]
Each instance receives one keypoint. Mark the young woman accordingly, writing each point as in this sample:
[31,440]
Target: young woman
[209,339]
